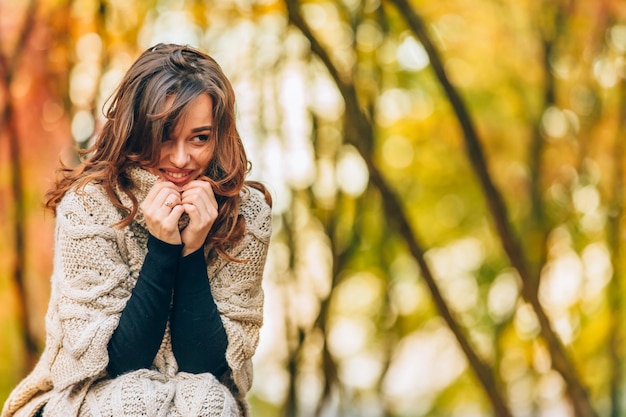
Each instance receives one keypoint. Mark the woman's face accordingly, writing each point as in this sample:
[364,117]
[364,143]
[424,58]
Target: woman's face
[185,155]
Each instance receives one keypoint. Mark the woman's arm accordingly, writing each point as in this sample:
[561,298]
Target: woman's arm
[238,291]
[138,336]
[199,340]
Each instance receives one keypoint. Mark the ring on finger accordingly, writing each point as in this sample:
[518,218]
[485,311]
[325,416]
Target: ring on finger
[168,203]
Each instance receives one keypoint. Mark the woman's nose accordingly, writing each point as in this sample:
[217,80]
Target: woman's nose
[180,154]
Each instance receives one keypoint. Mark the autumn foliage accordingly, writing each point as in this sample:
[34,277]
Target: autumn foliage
[447,180]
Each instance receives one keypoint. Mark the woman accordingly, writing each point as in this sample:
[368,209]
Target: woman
[156,299]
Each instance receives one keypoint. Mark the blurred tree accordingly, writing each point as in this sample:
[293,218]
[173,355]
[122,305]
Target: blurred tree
[10,59]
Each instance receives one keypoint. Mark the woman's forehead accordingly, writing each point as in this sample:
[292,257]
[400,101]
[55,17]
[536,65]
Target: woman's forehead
[195,113]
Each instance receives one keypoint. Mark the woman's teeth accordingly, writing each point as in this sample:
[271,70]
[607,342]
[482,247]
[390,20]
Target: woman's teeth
[176,174]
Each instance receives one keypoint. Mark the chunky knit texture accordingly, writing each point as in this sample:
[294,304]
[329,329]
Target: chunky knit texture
[95,269]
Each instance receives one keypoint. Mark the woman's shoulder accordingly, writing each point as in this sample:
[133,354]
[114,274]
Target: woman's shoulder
[90,203]
[256,211]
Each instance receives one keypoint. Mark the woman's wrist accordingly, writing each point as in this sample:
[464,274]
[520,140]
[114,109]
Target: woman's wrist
[162,247]
[189,250]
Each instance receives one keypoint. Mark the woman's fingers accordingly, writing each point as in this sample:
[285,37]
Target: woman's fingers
[200,194]
[201,206]
[162,209]
[157,188]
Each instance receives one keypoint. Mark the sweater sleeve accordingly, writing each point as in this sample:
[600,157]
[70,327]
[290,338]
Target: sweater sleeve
[238,292]
[90,285]
[198,337]
[138,336]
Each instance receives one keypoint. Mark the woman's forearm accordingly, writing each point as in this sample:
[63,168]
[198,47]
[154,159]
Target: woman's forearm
[198,337]
[138,336]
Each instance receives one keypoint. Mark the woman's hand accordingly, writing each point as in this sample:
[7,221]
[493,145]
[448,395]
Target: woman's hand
[200,204]
[162,208]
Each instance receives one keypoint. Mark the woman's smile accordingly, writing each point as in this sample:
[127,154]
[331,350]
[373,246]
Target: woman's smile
[177,177]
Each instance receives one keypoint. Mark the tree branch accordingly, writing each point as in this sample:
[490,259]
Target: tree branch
[614,232]
[359,132]
[560,360]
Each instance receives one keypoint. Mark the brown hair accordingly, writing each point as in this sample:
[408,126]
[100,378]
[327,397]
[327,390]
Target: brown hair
[136,125]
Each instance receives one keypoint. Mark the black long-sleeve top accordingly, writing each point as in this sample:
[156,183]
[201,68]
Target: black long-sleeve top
[198,337]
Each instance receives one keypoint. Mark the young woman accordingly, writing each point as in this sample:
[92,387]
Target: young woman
[160,245]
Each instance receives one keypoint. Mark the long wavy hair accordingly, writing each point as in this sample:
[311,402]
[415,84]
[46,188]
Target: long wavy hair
[136,124]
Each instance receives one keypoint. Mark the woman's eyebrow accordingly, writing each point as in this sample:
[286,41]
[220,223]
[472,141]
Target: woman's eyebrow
[201,129]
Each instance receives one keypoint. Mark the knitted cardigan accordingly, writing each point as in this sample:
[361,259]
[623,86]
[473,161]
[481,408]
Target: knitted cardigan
[96,266]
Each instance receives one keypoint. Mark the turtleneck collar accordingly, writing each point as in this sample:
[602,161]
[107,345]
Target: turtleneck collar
[141,181]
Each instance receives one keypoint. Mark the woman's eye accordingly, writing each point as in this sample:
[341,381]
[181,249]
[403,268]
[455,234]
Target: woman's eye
[200,138]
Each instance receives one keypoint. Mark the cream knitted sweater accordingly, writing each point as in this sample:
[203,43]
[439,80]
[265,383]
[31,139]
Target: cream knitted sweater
[95,269]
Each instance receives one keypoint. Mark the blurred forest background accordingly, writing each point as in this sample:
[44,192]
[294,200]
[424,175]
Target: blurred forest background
[448,179]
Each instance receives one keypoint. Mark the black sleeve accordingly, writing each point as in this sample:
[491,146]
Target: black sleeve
[138,336]
[198,337]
